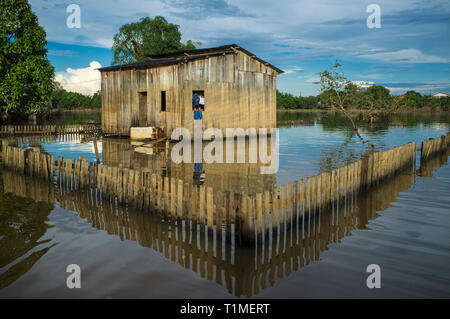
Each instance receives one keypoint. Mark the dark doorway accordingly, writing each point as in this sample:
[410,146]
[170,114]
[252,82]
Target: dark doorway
[201,95]
[143,109]
[163,101]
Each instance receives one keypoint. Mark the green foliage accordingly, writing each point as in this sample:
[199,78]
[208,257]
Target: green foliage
[354,96]
[71,100]
[378,93]
[412,99]
[333,85]
[25,72]
[135,41]
[289,101]
[415,100]
[339,93]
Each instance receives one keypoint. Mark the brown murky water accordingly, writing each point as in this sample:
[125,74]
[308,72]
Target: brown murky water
[403,225]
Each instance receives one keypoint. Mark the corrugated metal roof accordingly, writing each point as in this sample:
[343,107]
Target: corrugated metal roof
[185,56]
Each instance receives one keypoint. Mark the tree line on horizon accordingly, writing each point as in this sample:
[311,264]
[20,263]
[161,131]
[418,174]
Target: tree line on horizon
[63,99]
[377,96]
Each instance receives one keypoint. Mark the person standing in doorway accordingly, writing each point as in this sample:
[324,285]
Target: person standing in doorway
[195,100]
[202,102]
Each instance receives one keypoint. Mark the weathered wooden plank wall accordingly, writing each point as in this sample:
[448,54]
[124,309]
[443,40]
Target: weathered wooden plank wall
[240,92]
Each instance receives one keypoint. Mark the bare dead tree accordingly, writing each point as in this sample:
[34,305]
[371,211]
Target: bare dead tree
[333,85]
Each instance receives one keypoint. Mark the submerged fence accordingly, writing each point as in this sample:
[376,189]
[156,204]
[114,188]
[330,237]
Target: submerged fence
[252,215]
[48,129]
[432,147]
[37,139]
[214,255]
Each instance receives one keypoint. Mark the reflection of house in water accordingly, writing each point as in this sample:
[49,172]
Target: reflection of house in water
[216,255]
[242,178]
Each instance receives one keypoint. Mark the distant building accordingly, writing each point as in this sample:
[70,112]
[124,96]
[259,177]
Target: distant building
[363,84]
[441,95]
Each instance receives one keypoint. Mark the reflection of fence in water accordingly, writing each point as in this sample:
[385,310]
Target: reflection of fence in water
[428,165]
[177,199]
[249,240]
[214,252]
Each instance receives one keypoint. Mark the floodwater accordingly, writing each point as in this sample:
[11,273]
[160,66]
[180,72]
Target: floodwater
[403,225]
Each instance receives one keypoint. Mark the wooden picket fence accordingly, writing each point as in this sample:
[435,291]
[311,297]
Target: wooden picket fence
[176,199]
[48,129]
[37,139]
[432,147]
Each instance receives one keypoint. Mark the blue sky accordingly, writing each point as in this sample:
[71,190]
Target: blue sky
[411,50]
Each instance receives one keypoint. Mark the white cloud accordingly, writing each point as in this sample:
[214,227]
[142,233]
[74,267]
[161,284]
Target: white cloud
[285,32]
[405,56]
[312,28]
[295,69]
[423,89]
[83,80]
[363,84]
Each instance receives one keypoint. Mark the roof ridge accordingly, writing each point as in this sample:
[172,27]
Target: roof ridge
[186,55]
[222,47]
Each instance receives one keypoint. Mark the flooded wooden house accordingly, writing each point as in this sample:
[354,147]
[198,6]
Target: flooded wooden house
[239,178]
[239,91]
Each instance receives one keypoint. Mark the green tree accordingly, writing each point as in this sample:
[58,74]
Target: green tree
[354,98]
[72,100]
[26,75]
[333,90]
[96,101]
[380,95]
[412,99]
[135,41]
[377,100]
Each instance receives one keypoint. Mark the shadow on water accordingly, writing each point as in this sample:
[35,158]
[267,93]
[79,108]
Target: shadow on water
[214,254]
[24,208]
[65,117]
